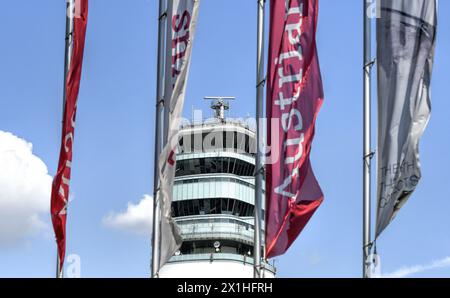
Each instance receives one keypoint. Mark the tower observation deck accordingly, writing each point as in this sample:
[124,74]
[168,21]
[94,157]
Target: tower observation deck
[213,199]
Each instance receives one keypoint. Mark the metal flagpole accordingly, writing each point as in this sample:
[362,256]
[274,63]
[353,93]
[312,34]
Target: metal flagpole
[58,275]
[367,137]
[70,9]
[158,138]
[259,168]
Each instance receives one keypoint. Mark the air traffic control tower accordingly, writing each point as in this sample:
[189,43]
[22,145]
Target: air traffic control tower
[213,199]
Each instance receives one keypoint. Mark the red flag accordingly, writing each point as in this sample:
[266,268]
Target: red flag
[294,97]
[61,181]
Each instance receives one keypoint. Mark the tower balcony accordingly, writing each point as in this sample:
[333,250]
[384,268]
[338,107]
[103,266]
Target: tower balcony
[216,228]
[214,186]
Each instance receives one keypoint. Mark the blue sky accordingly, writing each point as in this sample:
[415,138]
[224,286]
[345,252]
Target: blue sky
[113,152]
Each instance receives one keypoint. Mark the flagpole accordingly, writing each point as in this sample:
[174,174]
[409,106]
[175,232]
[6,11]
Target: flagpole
[259,167]
[70,8]
[158,139]
[367,155]
[58,271]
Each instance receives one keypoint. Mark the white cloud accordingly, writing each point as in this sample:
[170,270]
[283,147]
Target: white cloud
[408,271]
[25,187]
[136,219]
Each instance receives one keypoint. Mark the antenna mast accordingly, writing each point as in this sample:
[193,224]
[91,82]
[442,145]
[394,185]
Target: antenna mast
[220,105]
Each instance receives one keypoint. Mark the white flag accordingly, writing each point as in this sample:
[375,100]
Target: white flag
[406,34]
[182,21]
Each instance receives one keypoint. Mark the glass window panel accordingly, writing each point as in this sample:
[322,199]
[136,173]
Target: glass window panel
[247,147]
[189,190]
[195,190]
[185,208]
[230,205]
[190,207]
[237,208]
[244,209]
[224,206]
[201,204]
[212,203]
[218,203]
[207,206]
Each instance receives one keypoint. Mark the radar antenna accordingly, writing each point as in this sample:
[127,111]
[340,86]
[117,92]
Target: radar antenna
[220,105]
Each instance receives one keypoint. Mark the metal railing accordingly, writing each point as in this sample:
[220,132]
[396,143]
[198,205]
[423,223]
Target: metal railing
[205,122]
[216,228]
[214,257]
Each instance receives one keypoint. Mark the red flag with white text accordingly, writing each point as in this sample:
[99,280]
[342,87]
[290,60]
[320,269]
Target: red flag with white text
[61,181]
[294,98]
